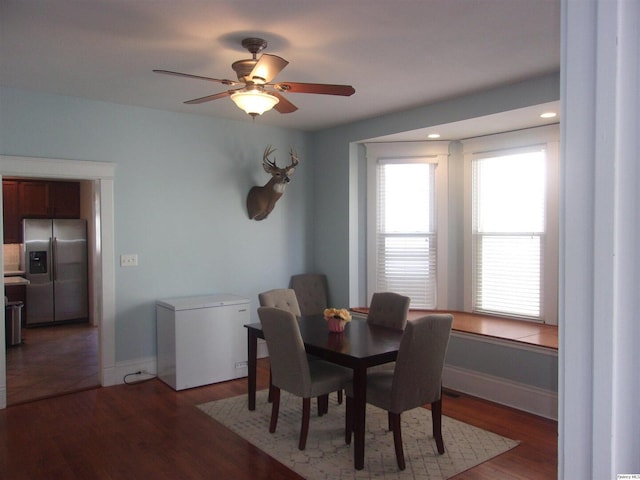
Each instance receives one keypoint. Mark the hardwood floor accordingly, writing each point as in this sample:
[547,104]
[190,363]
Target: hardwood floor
[52,360]
[147,430]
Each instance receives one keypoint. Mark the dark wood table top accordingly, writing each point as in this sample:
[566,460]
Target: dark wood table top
[360,345]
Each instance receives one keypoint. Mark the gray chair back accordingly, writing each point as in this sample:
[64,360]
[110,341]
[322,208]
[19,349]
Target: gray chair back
[282,298]
[311,292]
[417,378]
[287,357]
[389,309]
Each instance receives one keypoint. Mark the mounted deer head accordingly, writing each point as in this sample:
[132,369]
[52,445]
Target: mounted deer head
[261,200]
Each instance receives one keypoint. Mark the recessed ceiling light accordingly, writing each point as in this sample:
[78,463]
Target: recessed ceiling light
[433,135]
[548,115]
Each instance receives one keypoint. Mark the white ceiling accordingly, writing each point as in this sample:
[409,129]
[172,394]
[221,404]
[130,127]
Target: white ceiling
[396,53]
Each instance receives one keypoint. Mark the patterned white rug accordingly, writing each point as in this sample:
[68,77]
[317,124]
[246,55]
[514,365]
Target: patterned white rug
[328,457]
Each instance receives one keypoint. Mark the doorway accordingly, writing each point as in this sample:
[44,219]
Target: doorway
[99,175]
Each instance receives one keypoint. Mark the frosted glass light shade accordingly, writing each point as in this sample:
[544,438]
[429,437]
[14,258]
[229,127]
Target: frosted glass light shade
[254,102]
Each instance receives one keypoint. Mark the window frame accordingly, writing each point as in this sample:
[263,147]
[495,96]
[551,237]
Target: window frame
[408,152]
[547,137]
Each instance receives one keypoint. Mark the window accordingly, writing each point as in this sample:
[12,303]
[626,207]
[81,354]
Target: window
[403,230]
[508,228]
[512,225]
[406,233]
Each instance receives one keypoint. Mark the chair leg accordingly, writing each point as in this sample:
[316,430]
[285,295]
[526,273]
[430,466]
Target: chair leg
[339,397]
[275,409]
[304,429]
[394,419]
[270,395]
[323,405]
[436,419]
[348,424]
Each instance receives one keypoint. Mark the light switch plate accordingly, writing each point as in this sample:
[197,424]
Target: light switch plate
[129,260]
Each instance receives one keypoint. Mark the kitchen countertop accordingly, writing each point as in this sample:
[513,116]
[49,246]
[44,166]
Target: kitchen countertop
[15,281]
[13,273]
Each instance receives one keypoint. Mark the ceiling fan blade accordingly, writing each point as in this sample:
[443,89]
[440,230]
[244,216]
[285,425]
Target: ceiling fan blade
[284,105]
[267,68]
[198,77]
[318,88]
[209,98]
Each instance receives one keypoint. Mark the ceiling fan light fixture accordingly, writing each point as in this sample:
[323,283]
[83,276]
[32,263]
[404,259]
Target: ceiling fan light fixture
[254,102]
[256,74]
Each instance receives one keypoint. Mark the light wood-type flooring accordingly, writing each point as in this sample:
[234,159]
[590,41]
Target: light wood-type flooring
[147,430]
[52,360]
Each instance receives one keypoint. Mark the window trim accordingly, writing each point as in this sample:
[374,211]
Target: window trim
[432,152]
[549,137]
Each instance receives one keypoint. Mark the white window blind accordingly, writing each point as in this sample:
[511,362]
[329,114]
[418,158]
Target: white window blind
[508,210]
[406,231]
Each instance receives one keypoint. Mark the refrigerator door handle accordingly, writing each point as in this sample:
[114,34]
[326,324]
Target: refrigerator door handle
[54,254]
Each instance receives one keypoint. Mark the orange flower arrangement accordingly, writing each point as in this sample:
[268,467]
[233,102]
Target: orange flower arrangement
[337,318]
[337,313]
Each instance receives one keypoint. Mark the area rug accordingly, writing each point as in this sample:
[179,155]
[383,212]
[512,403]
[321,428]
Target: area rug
[328,457]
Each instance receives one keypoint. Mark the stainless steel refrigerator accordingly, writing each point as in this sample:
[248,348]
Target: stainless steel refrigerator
[55,263]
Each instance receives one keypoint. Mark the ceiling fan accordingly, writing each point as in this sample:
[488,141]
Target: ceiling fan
[257,93]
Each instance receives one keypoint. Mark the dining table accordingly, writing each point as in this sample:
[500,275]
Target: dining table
[358,347]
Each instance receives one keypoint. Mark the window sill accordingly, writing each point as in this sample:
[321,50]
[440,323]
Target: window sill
[524,332]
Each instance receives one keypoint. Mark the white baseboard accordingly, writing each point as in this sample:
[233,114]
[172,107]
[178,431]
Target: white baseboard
[530,399]
[109,377]
[116,375]
[505,392]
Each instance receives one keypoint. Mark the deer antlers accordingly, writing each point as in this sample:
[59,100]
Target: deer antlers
[265,156]
[294,157]
[272,163]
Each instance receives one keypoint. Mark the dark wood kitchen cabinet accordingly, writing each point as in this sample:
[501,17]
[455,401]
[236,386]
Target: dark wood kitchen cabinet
[11,212]
[65,199]
[33,199]
[37,199]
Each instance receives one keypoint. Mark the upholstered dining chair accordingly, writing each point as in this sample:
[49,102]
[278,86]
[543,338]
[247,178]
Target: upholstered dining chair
[292,371]
[415,381]
[388,309]
[283,298]
[311,292]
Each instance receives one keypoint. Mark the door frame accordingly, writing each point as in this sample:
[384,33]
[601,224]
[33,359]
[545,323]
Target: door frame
[102,256]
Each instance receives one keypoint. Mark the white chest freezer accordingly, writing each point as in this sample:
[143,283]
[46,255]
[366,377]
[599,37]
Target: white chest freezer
[201,340]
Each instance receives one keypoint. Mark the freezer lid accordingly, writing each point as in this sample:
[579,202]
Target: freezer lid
[202,301]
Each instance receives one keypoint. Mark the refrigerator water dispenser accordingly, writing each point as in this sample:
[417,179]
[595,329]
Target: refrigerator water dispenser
[38,262]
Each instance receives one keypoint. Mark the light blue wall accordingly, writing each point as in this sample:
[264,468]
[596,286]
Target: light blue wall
[523,366]
[180,188]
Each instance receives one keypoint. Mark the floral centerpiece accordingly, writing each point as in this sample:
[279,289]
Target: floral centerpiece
[337,318]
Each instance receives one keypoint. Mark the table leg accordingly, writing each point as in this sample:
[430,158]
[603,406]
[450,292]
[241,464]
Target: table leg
[359,415]
[252,365]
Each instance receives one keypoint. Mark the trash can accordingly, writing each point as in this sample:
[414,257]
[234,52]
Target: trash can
[13,323]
